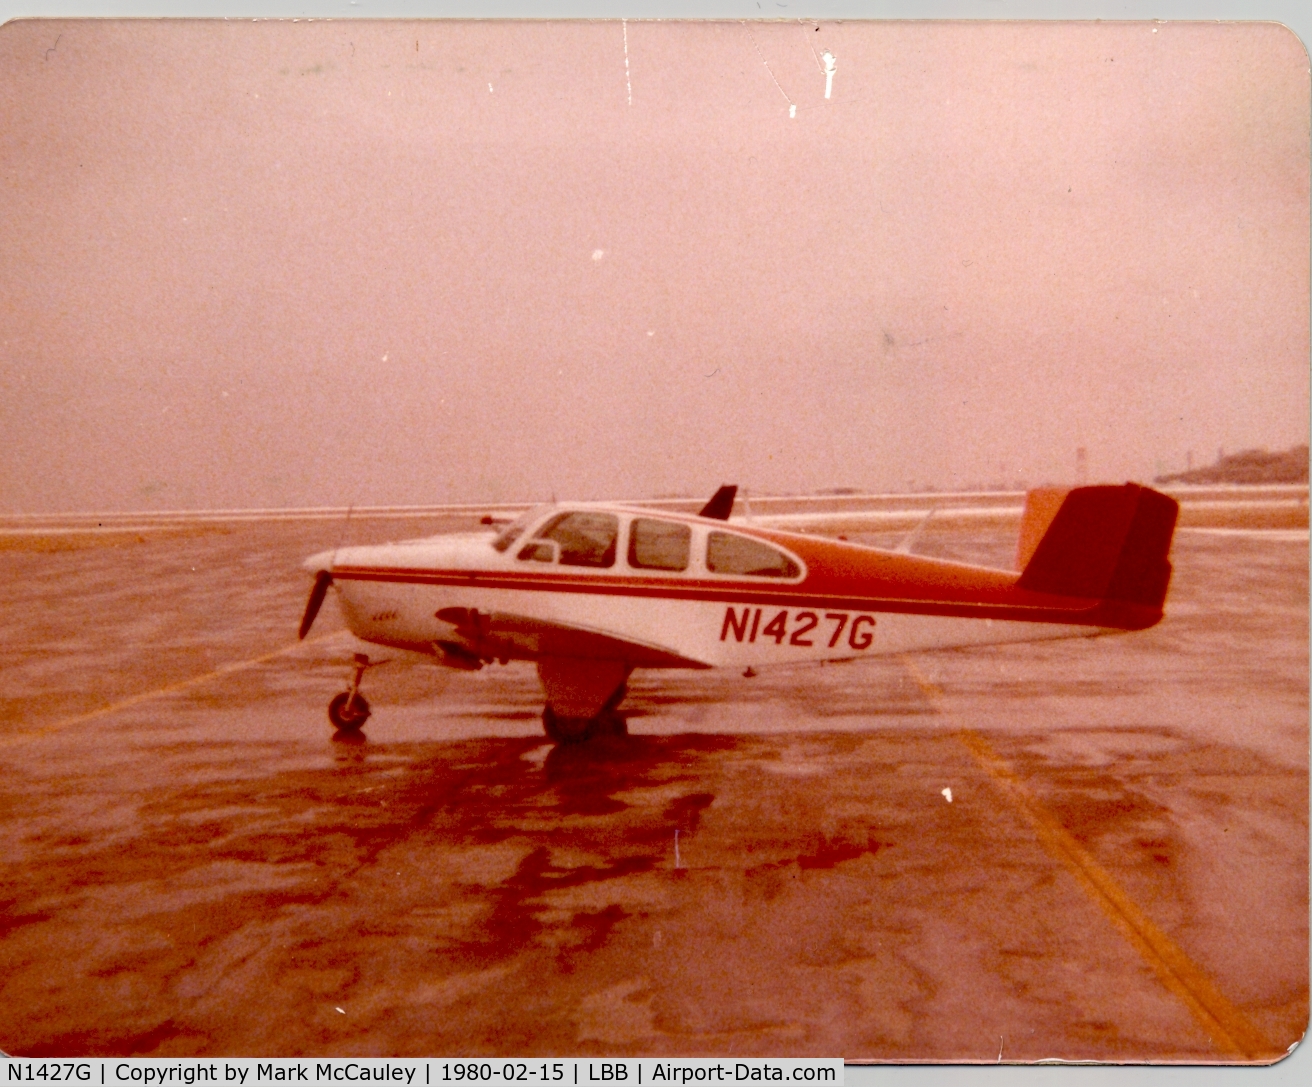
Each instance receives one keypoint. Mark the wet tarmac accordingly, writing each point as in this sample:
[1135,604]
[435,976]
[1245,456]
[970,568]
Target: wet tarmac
[764,866]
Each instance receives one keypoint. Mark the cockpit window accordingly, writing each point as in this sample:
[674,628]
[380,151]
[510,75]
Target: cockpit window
[585,538]
[659,545]
[730,554]
[512,532]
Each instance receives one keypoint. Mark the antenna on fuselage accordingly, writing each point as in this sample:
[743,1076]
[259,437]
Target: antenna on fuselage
[341,536]
[913,537]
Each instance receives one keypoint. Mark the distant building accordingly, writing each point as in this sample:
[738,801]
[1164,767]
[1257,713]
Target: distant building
[1250,466]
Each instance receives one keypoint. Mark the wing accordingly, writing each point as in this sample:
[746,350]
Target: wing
[496,634]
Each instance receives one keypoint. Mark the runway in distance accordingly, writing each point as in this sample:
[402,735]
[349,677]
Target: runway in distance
[591,591]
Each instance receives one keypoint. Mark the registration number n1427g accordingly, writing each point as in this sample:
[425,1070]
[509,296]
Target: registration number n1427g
[804,628]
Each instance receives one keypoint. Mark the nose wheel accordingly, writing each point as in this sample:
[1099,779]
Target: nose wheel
[349,711]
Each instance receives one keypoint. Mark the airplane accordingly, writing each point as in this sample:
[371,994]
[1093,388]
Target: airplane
[591,591]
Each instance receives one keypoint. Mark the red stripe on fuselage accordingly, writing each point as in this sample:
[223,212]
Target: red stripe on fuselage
[1080,612]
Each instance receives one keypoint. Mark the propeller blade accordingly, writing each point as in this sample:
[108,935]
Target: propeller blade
[317,592]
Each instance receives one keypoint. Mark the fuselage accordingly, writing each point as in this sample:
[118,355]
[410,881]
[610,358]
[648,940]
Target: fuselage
[669,590]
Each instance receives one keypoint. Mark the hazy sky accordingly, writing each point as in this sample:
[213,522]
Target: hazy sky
[270,264]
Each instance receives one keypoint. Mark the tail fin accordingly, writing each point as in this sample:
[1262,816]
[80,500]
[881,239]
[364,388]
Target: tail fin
[1041,506]
[1102,543]
[721,504]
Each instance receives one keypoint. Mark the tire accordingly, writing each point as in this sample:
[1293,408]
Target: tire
[348,718]
[577,730]
[612,723]
[566,730]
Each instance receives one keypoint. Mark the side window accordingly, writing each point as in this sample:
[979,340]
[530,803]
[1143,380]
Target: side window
[730,554]
[538,551]
[659,545]
[583,538]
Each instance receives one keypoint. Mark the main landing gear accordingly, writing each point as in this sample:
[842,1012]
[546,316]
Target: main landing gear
[349,711]
[575,730]
[582,696]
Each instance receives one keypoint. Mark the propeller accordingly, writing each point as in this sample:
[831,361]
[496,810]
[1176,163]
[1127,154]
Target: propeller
[317,592]
[322,580]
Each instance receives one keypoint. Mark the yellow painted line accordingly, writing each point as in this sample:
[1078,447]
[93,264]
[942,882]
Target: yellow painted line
[159,692]
[1224,1023]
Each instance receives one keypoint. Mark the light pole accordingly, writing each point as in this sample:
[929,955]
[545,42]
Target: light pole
[831,66]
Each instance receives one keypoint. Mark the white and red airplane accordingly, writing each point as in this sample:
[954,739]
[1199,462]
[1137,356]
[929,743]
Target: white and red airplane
[591,591]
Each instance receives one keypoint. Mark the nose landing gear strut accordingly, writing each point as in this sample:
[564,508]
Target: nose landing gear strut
[349,711]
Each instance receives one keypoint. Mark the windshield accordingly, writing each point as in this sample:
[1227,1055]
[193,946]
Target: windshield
[515,529]
[585,537]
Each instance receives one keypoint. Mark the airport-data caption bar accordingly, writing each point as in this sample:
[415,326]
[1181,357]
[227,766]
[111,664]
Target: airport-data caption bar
[467,1071]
